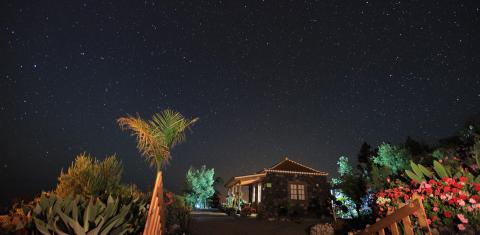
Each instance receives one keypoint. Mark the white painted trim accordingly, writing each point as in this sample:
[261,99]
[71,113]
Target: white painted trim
[297,172]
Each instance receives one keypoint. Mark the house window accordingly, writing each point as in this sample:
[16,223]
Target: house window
[297,191]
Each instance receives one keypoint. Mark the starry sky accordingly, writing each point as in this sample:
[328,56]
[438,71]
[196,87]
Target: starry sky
[307,79]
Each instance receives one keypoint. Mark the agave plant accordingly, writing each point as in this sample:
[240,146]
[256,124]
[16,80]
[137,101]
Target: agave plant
[420,173]
[76,215]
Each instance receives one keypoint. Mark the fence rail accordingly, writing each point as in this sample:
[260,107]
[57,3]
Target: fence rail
[401,215]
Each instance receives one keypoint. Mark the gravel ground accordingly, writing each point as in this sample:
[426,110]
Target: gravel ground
[216,223]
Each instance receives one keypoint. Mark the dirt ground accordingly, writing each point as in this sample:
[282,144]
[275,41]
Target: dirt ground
[216,223]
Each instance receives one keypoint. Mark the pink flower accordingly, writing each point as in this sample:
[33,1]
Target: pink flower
[436,209]
[461,227]
[462,218]
[470,209]
[461,202]
[472,201]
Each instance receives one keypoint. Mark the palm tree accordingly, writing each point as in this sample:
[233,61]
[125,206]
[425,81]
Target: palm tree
[155,139]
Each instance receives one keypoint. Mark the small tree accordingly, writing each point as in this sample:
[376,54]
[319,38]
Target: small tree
[392,157]
[344,168]
[352,187]
[199,186]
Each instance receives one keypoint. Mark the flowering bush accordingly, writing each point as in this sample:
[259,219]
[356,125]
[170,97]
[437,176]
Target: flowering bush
[447,201]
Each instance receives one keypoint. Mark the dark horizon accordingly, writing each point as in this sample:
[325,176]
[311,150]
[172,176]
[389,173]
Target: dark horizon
[310,80]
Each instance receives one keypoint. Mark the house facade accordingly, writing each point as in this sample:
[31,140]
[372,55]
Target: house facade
[286,188]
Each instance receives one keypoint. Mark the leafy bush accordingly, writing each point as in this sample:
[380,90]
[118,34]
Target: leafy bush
[90,177]
[230,210]
[178,216]
[247,211]
[234,203]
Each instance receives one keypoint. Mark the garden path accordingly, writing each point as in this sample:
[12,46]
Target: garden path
[217,223]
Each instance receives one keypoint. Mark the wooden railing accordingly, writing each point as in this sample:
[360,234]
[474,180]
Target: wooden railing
[402,215]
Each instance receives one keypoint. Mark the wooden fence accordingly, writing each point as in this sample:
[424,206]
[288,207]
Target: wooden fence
[402,215]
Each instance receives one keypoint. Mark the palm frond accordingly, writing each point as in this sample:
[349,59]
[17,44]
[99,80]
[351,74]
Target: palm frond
[155,138]
[172,125]
[148,143]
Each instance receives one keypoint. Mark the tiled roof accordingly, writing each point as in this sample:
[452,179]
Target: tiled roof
[285,166]
[290,165]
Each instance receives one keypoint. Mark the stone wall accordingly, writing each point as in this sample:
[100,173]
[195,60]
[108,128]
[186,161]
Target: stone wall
[276,198]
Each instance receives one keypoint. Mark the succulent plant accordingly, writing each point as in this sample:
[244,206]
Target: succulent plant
[420,173]
[76,215]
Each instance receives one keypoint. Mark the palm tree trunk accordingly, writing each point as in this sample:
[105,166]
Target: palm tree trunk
[155,224]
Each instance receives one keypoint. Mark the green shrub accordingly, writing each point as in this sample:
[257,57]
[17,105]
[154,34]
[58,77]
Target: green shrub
[88,176]
[178,216]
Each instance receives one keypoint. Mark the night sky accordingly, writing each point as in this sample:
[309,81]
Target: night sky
[307,79]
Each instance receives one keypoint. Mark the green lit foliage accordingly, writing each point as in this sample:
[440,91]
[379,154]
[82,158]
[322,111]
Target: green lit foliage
[351,183]
[438,154]
[234,203]
[344,168]
[90,177]
[392,157]
[199,186]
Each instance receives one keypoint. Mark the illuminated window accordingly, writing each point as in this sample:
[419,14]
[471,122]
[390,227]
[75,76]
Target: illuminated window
[297,191]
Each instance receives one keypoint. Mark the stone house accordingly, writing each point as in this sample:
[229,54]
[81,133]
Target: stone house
[286,188]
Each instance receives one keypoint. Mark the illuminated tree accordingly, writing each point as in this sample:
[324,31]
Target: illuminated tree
[155,139]
[392,157]
[199,183]
[344,168]
[352,187]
